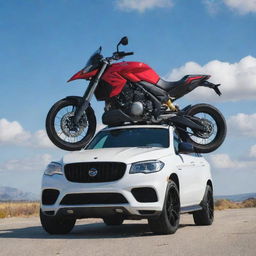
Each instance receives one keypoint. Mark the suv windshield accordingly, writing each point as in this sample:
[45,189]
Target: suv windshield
[131,137]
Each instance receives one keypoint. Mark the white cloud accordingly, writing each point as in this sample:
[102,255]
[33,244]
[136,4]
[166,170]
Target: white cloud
[212,6]
[142,5]
[223,161]
[242,6]
[40,139]
[13,133]
[253,151]
[35,163]
[238,80]
[242,124]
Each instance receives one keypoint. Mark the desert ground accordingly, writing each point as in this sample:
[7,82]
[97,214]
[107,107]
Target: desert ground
[232,233]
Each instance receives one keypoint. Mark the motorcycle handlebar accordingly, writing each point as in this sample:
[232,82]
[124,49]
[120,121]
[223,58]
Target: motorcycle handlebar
[123,54]
[128,53]
[119,55]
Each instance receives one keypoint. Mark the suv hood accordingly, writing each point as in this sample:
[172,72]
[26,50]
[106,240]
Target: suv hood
[125,155]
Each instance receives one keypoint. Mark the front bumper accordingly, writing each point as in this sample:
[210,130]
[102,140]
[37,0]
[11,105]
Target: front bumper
[132,208]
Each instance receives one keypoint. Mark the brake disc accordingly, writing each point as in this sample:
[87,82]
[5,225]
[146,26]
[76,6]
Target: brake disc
[69,128]
[209,129]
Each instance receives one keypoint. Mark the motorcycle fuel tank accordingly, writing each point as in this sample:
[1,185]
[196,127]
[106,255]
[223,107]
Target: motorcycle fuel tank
[117,74]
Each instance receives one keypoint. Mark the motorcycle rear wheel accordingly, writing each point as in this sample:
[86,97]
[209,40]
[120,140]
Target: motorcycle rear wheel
[62,132]
[199,140]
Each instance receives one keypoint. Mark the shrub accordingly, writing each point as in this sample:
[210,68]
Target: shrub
[227,204]
[18,209]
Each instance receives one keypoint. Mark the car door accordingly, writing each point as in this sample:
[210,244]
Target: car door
[201,176]
[189,171]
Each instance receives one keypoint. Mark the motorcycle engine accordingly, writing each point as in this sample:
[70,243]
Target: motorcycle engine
[133,101]
[137,108]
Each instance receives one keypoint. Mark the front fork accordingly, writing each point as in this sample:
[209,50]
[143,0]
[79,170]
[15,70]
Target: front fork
[88,94]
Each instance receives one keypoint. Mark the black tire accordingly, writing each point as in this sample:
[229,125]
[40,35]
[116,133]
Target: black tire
[168,221]
[57,140]
[220,123]
[56,225]
[206,215]
[114,220]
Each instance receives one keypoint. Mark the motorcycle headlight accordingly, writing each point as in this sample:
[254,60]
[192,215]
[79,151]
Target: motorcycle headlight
[53,168]
[146,167]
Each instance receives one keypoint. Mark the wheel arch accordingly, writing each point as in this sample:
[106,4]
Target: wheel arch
[174,177]
[209,182]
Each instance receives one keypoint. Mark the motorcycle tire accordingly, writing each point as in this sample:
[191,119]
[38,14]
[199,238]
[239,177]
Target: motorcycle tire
[220,123]
[56,138]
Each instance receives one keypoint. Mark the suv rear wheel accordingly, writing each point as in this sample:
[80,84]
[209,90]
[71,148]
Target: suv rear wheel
[56,224]
[168,221]
[206,215]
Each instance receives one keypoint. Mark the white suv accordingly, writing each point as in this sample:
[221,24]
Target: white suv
[128,172]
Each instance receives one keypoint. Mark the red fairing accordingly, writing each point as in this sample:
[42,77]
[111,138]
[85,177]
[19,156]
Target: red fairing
[117,75]
[83,75]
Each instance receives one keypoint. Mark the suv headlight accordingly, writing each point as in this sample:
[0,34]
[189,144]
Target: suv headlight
[53,168]
[146,167]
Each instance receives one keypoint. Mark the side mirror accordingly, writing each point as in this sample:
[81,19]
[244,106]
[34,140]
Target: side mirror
[123,41]
[186,148]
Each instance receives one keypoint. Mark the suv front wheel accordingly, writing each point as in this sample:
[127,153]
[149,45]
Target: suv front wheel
[168,221]
[114,220]
[56,225]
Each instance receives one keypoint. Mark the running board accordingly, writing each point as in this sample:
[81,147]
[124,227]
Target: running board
[192,208]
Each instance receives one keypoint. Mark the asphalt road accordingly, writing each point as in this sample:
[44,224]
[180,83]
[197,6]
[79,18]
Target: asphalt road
[233,233]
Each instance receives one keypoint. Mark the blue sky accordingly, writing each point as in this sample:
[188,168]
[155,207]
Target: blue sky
[44,42]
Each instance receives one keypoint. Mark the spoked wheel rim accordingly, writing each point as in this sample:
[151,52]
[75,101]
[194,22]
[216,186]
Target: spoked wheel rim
[64,125]
[173,207]
[211,129]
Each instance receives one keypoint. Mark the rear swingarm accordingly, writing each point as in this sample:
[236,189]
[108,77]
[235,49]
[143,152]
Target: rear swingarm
[187,121]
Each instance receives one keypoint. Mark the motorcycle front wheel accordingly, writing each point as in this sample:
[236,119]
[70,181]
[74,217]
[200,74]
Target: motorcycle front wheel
[215,132]
[62,130]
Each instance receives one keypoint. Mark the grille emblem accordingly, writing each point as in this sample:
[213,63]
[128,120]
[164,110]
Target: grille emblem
[93,172]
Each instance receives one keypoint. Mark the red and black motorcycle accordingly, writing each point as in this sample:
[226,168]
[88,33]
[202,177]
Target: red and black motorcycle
[133,93]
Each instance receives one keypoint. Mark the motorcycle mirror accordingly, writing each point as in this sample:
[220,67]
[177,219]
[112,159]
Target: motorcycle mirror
[123,41]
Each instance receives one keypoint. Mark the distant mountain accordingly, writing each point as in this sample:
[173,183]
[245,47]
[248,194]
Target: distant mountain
[14,194]
[237,198]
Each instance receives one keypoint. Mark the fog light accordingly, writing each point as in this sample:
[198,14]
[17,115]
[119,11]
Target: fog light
[70,211]
[119,211]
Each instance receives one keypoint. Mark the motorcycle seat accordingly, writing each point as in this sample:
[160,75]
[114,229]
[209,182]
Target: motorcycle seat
[167,85]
